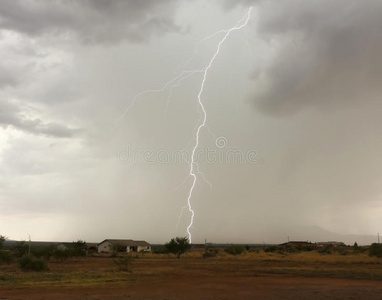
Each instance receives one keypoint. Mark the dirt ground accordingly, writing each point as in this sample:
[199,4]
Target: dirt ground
[262,287]
[194,278]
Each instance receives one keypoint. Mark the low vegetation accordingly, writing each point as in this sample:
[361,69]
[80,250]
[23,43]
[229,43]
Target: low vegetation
[375,250]
[234,250]
[29,262]
[51,266]
[124,263]
[178,246]
[210,252]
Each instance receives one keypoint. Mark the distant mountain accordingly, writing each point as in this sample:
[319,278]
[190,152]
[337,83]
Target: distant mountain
[318,234]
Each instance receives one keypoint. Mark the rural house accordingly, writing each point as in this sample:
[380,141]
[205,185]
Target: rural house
[298,244]
[111,245]
[330,244]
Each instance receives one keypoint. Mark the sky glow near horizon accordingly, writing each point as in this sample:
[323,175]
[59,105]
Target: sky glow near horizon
[293,138]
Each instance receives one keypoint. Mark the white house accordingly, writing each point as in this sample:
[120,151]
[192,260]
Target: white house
[109,245]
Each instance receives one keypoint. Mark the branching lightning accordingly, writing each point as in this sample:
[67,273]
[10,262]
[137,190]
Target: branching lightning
[243,22]
[175,82]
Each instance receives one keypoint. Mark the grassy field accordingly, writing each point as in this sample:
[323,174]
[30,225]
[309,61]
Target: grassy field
[101,270]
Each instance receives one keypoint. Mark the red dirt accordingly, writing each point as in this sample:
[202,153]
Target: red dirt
[262,287]
[193,278]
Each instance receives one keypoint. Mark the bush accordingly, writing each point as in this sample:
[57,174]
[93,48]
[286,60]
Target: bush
[290,249]
[124,262]
[375,250]
[325,250]
[357,249]
[210,252]
[255,250]
[159,250]
[6,256]
[341,250]
[271,249]
[234,250]
[20,249]
[61,254]
[32,263]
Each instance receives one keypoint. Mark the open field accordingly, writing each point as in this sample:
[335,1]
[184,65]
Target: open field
[254,275]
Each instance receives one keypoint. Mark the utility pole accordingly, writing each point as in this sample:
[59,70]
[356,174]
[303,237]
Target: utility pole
[378,237]
[29,246]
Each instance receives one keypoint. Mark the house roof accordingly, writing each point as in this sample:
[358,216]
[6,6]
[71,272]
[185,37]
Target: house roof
[330,243]
[297,243]
[130,243]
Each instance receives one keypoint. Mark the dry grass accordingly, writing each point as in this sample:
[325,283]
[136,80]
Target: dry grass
[101,271]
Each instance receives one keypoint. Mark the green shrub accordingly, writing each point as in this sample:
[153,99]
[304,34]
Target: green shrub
[254,249]
[159,250]
[301,248]
[341,251]
[375,250]
[6,256]
[271,249]
[7,278]
[234,250]
[61,254]
[124,263]
[32,263]
[210,252]
[290,249]
[325,250]
[20,249]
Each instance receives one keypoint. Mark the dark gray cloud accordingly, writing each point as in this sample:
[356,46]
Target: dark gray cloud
[229,4]
[11,115]
[98,21]
[327,53]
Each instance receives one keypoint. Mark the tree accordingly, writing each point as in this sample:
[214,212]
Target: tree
[375,250]
[61,254]
[5,256]
[20,249]
[2,240]
[79,248]
[178,246]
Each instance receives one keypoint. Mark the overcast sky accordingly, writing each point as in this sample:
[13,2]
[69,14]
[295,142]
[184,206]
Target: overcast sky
[295,96]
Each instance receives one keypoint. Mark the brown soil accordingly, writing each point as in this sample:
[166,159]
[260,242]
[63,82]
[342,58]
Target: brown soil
[187,278]
[262,287]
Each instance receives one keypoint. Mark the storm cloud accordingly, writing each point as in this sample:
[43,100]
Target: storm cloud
[97,21]
[11,115]
[326,54]
[298,86]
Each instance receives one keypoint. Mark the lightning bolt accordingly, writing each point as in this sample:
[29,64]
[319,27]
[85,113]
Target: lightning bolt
[243,22]
[175,82]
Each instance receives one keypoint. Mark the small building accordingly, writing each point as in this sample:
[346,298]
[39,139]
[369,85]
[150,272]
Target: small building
[114,245]
[299,244]
[330,244]
[63,246]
